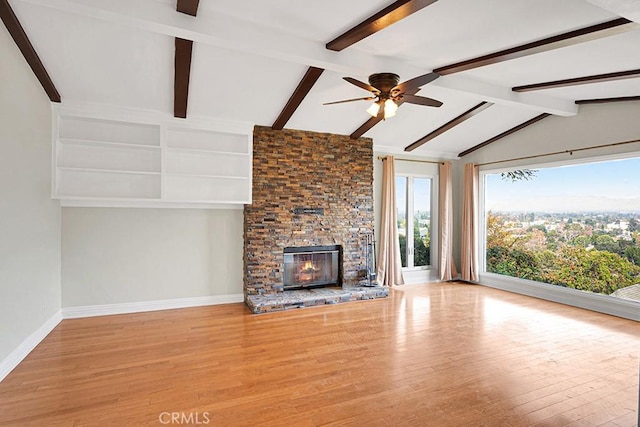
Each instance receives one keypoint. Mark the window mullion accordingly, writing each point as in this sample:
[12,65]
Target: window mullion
[410,204]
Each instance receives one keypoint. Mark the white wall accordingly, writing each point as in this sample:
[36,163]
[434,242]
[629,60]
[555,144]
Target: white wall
[122,255]
[29,219]
[596,124]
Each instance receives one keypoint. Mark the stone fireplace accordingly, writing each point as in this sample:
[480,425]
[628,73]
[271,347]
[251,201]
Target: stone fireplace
[309,189]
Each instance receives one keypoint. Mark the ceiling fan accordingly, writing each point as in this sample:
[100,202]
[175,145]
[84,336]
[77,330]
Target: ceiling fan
[388,93]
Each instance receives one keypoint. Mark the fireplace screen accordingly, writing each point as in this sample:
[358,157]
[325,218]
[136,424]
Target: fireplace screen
[312,266]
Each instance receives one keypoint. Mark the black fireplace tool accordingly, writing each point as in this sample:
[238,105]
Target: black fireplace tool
[368,243]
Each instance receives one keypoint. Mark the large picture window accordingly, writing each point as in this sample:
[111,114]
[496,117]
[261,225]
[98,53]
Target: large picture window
[574,226]
[413,201]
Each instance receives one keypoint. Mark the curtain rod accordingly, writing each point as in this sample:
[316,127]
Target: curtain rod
[412,160]
[570,152]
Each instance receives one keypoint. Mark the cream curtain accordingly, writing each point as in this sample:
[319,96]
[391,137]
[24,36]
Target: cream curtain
[447,266]
[389,263]
[469,260]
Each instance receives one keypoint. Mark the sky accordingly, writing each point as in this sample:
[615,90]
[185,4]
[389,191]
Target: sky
[605,186]
[421,191]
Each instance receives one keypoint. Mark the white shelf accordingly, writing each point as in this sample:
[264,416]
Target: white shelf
[196,139]
[196,175]
[197,188]
[217,164]
[106,202]
[107,171]
[204,152]
[114,162]
[71,141]
[108,157]
[110,199]
[90,183]
[86,128]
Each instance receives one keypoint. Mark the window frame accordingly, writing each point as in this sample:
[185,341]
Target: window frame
[433,206]
[482,217]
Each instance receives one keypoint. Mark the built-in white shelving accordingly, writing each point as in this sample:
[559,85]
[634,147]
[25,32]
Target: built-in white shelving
[104,161]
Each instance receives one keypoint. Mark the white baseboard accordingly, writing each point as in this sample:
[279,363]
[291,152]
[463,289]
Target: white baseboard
[419,277]
[138,307]
[16,356]
[590,301]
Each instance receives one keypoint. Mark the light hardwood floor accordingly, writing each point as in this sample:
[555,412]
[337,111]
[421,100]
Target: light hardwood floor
[429,355]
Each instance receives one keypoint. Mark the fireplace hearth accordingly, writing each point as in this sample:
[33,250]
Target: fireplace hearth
[312,267]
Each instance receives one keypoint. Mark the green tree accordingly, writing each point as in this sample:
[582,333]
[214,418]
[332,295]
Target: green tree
[513,262]
[421,252]
[606,243]
[546,262]
[553,240]
[593,271]
[497,233]
[632,253]
[519,175]
[581,241]
[403,250]
[538,227]
[421,247]
[573,266]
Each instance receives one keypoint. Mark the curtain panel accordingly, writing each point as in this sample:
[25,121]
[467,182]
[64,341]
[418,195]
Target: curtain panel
[446,266]
[389,262]
[469,258]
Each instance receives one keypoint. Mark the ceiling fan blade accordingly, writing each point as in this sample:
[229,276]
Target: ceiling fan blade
[362,85]
[421,100]
[415,82]
[366,98]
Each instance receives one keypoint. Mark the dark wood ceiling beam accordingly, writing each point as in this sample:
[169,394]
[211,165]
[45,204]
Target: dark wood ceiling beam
[570,38]
[503,134]
[22,41]
[607,100]
[310,78]
[189,7]
[182,63]
[598,78]
[449,125]
[381,20]
[366,126]
[181,77]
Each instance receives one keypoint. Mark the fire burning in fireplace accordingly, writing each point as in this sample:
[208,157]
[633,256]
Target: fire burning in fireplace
[307,271]
[308,268]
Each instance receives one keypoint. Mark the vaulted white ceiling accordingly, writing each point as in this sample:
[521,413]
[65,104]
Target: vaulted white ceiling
[249,56]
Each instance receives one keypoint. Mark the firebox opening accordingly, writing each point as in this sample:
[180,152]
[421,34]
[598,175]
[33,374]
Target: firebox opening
[312,267]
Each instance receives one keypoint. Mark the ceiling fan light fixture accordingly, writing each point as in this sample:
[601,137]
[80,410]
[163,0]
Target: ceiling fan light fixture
[374,109]
[385,89]
[390,108]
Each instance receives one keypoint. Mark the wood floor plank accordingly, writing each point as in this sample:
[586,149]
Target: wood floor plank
[439,354]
